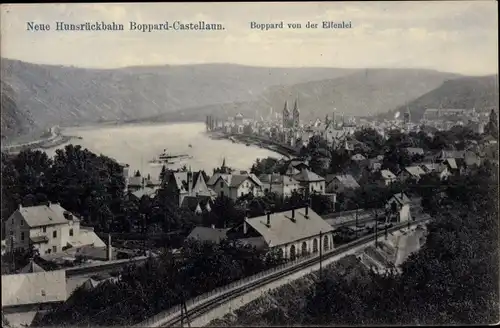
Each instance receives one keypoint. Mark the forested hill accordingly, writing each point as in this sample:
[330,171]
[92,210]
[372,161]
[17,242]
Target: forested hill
[14,122]
[466,92]
[70,96]
[363,93]
[58,95]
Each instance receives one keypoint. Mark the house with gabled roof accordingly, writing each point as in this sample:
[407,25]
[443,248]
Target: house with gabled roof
[282,185]
[398,207]
[293,233]
[387,178]
[182,184]
[235,185]
[293,167]
[198,204]
[411,172]
[48,228]
[310,182]
[340,183]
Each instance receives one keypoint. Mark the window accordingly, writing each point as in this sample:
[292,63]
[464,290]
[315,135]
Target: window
[48,251]
[22,222]
[54,233]
[11,233]
[71,232]
[43,292]
[222,184]
[54,249]
[44,229]
[22,236]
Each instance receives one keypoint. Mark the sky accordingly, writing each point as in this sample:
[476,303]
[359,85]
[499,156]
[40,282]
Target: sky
[459,37]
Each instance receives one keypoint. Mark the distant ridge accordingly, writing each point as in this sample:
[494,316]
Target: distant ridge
[47,95]
[362,93]
[480,92]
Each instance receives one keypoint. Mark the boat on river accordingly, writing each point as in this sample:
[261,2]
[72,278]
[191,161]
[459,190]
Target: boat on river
[170,156]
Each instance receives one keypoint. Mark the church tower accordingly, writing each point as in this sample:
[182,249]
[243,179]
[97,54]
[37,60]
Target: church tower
[296,115]
[286,116]
[407,116]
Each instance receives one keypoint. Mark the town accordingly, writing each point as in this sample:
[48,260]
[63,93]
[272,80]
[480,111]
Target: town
[82,226]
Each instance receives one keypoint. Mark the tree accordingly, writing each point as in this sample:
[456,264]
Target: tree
[372,139]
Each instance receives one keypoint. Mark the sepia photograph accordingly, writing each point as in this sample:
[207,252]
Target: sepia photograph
[249,164]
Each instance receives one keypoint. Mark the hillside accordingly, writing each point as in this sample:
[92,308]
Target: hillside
[69,96]
[466,92]
[13,121]
[365,92]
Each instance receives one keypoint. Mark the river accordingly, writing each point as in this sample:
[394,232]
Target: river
[137,144]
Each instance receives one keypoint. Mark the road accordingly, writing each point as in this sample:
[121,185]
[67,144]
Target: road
[54,133]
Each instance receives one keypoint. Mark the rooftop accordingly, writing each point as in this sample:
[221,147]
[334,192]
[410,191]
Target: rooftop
[43,215]
[208,234]
[284,229]
[308,176]
[34,288]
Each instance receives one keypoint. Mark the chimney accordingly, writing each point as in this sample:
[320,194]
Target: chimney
[245,227]
[268,223]
[307,211]
[212,226]
[293,213]
[49,203]
[20,206]
[109,249]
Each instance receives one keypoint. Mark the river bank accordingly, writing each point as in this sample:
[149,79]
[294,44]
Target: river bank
[252,140]
[52,138]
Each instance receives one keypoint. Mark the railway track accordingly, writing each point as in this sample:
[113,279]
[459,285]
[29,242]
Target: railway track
[208,304]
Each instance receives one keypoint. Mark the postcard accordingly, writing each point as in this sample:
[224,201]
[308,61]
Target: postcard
[243,164]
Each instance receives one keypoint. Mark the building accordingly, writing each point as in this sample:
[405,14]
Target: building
[341,183]
[235,186]
[198,204]
[282,185]
[146,191]
[310,182]
[440,113]
[183,184]
[441,170]
[48,228]
[398,207]
[412,151]
[291,233]
[358,158]
[293,167]
[23,295]
[205,234]
[413,172]
[291,120]
[387,178]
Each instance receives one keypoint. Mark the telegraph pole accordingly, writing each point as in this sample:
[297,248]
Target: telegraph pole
[376,227]
[184,311]
[144,229]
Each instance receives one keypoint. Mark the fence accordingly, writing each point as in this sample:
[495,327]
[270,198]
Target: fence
[170,313]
